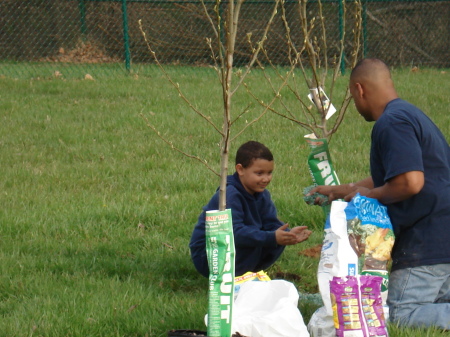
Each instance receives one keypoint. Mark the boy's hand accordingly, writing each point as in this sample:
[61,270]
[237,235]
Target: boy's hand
[302,233]
[294,236]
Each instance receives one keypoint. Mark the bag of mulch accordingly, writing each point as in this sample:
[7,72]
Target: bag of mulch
[371,237]
[358,240]
[357,306]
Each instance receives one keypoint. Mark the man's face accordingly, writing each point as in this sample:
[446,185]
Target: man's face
[257,176]
[357,93]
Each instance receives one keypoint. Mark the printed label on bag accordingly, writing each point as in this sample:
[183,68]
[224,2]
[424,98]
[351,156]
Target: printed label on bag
[320,165]
[220,251]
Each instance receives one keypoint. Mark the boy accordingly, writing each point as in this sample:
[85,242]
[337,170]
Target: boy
[259,236]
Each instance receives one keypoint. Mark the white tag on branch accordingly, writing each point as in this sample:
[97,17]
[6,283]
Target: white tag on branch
[320,99]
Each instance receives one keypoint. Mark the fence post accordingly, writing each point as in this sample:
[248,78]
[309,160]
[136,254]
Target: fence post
[82,8]
[341,33]
[364,26]
[126,39]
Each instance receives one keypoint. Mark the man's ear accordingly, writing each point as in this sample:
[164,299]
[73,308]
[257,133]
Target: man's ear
[239,169]
[360,89]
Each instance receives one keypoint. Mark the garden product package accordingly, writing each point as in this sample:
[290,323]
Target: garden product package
[220,251]
[320,164]
[250,276]
[358,241]
[357,306]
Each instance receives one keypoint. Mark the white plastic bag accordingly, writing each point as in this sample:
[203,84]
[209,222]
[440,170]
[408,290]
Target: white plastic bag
[335,260]
[268,309]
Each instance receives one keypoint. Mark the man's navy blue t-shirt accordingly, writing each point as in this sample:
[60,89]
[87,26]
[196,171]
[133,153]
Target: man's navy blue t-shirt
[404,139]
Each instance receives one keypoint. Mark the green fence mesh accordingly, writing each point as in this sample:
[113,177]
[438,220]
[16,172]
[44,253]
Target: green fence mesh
[42,38]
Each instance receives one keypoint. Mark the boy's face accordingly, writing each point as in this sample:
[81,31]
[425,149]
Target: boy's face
[257,176]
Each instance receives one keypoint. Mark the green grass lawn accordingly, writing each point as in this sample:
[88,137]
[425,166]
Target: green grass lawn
[97,211]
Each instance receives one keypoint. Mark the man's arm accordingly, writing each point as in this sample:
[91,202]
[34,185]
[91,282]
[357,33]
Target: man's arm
[397,189]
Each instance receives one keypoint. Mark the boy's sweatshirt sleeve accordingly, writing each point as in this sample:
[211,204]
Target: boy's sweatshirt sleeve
[247,228]
[269,215]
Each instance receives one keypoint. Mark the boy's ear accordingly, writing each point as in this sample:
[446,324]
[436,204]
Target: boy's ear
[239,169]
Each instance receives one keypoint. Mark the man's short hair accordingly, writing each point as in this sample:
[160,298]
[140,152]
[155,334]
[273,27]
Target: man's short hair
[369,67]
[250,151]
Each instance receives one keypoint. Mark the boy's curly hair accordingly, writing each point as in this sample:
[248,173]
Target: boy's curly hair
[250,151]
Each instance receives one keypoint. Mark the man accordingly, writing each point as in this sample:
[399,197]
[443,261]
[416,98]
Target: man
[410,174]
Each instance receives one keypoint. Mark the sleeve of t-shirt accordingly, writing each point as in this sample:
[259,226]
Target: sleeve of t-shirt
[399,149]
[247,235]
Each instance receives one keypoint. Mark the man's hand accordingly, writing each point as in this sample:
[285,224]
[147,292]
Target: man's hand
[294,236]
[332,192]
[346,192]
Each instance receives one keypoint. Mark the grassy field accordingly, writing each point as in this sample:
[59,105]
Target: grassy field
[97,211]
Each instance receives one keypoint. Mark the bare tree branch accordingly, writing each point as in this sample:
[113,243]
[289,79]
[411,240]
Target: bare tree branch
[247,109]
[203,161]
[258,48]
[316,48]
[176,85]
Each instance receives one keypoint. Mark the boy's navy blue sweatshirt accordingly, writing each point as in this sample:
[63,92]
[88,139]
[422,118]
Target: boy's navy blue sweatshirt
[254,224]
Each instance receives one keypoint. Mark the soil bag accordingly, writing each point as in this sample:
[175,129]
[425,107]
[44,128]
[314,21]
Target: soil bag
[358,240]
[357,306]
[268,309]
[220,252]
[371,237]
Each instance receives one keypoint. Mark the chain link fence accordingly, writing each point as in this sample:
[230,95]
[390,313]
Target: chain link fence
[41,38]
